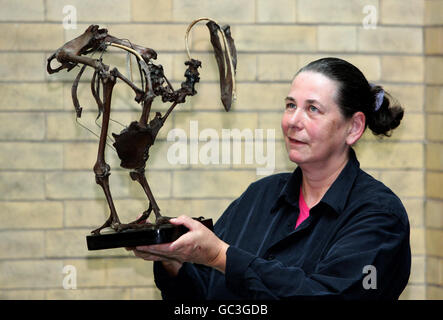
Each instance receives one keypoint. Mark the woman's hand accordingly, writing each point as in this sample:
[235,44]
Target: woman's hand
[199,245]
[172,266]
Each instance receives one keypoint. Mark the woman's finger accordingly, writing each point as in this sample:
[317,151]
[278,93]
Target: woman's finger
[150,257]
[163,248]
[188,222]
[185,240]
[145,256]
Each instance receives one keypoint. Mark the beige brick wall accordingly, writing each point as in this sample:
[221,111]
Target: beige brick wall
[49,200]
[433,49]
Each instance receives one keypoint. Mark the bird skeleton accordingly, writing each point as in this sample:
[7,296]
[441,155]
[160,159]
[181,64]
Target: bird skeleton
[132,143]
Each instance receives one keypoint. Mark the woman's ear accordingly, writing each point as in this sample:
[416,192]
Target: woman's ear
[356,128]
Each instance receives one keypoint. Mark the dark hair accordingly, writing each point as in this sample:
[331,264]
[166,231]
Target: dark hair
[355,94]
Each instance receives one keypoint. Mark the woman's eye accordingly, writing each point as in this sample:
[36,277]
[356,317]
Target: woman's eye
[313,109]
[290,106]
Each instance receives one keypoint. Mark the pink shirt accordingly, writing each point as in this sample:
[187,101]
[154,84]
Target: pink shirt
[304,210]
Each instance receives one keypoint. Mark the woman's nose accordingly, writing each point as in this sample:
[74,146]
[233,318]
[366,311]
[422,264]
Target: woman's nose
[294,119]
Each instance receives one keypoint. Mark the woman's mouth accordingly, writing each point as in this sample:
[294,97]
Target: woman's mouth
[295,142]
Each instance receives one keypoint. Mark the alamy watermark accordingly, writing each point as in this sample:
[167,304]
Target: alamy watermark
[70,17]
[370,280]
[211,147]
[70,278]
[371,18]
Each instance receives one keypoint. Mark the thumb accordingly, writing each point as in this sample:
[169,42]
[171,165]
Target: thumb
[184,220]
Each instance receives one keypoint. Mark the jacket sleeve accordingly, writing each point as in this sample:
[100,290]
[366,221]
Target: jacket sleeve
[369,243]
[191,282]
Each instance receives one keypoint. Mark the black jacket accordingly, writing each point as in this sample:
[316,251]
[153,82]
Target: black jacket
[353,245]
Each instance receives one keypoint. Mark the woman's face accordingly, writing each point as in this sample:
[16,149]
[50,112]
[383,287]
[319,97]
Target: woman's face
[314,129]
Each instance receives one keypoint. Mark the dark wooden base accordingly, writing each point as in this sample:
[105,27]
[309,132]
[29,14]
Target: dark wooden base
[138,237]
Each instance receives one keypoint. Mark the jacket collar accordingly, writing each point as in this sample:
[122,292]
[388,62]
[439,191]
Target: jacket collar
[337,195]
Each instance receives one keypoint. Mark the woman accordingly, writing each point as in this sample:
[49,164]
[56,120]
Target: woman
[327,230]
